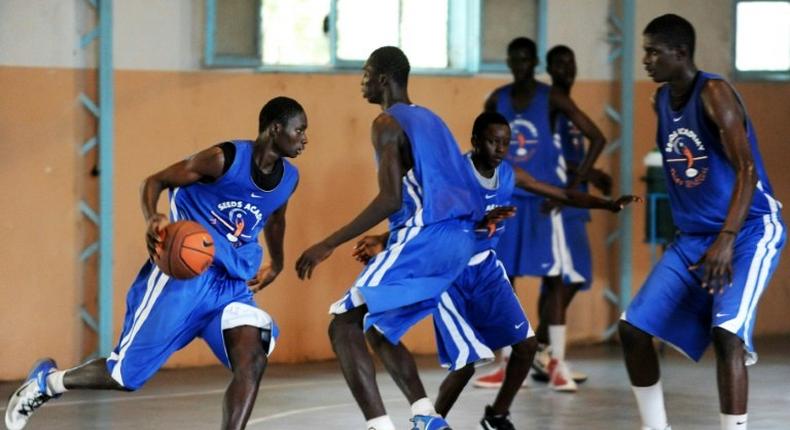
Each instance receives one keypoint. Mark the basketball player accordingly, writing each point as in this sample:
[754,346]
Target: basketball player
[480,312]
[561,66]
[533,243]
[706,287]
[237,183]
[425,190]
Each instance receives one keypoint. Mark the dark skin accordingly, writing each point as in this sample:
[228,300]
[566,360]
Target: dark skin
[674,66]
[522,65]
[243,344]
[488,152]
[393,151]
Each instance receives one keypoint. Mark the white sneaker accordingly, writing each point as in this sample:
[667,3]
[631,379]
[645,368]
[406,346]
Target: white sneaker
[30,396]
[560,378]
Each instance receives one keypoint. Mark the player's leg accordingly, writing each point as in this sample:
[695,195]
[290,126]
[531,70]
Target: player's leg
[248,362]
[348,342]
[641,362]
[400,365]
[451,387]
[497,414]
[755,257]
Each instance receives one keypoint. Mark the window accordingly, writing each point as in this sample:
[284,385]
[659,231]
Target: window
[762,39]
[445,36]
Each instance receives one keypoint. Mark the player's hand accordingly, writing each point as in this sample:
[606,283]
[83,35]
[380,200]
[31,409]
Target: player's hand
[549,205]
[154,232]
[624,201]
[311,258]
[368,247]
[717,264]
[264,277]
[601,180]
[494,216]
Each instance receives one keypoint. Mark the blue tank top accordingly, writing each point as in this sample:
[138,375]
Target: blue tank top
[234,210]
[700,177]
[531,142]
[494,195]
[439,187]
[571,142]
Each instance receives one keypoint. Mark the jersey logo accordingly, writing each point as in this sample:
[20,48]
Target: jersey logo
[686,158]
[235,216]
[523,141]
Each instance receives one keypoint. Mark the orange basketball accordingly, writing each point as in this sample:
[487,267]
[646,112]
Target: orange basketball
[187,250]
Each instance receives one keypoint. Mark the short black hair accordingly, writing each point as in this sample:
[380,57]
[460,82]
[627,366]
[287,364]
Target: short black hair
[523,43]
[280,110]
[673,30]
[556,51]
[484,120]
[390,60]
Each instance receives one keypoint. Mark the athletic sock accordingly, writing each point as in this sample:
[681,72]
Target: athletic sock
[423,406]
[557,341]
[650,401]
[380,423]
[733,422]
[55,383]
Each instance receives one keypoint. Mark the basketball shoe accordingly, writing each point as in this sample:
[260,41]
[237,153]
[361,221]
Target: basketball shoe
[492,421]
[30,396]
[429,422]
[560,377]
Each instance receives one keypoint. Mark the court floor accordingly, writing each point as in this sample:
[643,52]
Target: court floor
[314,396]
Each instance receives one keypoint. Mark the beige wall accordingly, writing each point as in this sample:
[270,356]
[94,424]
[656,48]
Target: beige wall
[164,116]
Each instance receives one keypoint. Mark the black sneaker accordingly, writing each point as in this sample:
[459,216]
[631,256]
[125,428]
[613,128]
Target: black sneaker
[492,421]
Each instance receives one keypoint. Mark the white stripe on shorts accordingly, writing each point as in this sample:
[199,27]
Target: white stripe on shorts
[396,250]
[758,272]
[480,349]
[157,290]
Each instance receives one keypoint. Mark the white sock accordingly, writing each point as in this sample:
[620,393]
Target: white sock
[733,422]
[380,423]
[55,383]
[557,341]
[651,406]
[423,406]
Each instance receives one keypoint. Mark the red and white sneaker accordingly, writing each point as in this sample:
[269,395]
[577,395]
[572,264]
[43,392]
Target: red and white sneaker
[491,379]
[560,378]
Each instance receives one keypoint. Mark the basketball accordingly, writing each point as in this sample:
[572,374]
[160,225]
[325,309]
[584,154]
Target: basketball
[187,250]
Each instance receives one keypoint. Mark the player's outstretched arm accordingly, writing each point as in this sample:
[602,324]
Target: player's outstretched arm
[565,104]
[569,196]
[725,111]
[205,164]
[273,234]
[387,138]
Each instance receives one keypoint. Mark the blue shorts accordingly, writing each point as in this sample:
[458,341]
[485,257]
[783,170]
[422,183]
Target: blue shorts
[163,315]
[402,284]
[573,248]
[478,314]
[673,306]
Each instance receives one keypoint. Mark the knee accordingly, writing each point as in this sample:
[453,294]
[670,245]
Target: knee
[630,335]
[252,364]
[728,346]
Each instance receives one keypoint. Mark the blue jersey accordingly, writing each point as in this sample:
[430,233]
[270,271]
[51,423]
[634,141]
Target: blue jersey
[700,177]
[571,142]
[496,192]
[439,187]
[234,210]
[531,142]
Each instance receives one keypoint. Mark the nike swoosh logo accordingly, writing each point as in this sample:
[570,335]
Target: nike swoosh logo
[545,265]
[719,315]
[518,326]
[677,119]
[740,423]
[490,196]
[255,196]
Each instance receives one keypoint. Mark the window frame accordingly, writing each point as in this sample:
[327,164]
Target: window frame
[464,44]
[751,75]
